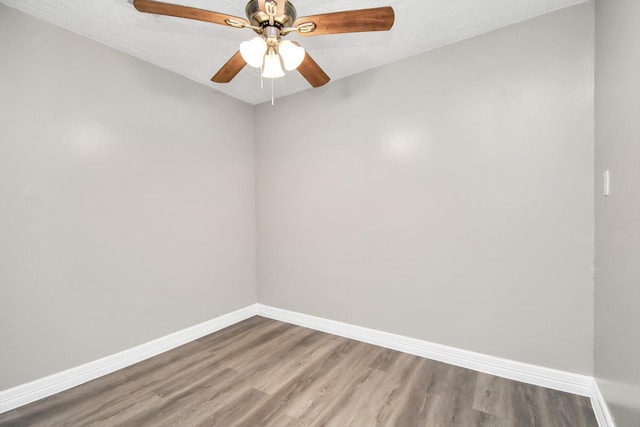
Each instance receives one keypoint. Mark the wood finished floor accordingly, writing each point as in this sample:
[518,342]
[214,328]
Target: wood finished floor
[262,372]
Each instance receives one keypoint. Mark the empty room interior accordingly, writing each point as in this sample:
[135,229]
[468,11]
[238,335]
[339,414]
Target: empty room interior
[443,236]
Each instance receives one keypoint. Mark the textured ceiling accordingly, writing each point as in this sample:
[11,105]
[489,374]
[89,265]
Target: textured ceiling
[197,50]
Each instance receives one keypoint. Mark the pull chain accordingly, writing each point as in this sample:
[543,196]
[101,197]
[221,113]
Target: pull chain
[272,91]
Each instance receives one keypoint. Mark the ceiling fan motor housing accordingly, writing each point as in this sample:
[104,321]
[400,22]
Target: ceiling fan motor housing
[259,18]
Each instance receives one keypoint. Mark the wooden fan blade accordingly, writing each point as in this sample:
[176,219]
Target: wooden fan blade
[168,9]
[311,71]
[351,21]
[230,69]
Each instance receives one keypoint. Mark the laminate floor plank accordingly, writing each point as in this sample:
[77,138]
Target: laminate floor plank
[187,399]
[335,389]
[399,398]
[524,409]
[283,348]
[388,394]
[248,346]
[298,390]
[233,413]
[262,372]
[492,394]
[310,351]
[356,405]
[290,392]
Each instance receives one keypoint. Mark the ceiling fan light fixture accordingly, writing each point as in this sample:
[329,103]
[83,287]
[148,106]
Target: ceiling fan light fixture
[292,55]
[272,68]
[253,51]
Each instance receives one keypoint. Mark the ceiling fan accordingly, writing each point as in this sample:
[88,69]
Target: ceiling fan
[272,20]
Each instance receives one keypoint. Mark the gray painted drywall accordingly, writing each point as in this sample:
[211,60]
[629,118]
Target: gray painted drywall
[446,197]
[126,201]
[617,293]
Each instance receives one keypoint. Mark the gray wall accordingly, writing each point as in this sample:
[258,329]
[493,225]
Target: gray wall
[617,296]
[126,209]
[446,197]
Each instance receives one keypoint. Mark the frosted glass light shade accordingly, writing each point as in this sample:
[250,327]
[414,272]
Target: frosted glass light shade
[292,55]
[272,68]
[253,51]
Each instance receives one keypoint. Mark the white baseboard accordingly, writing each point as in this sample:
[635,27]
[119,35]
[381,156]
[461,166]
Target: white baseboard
[47,386]
[532,374]
[600,407]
